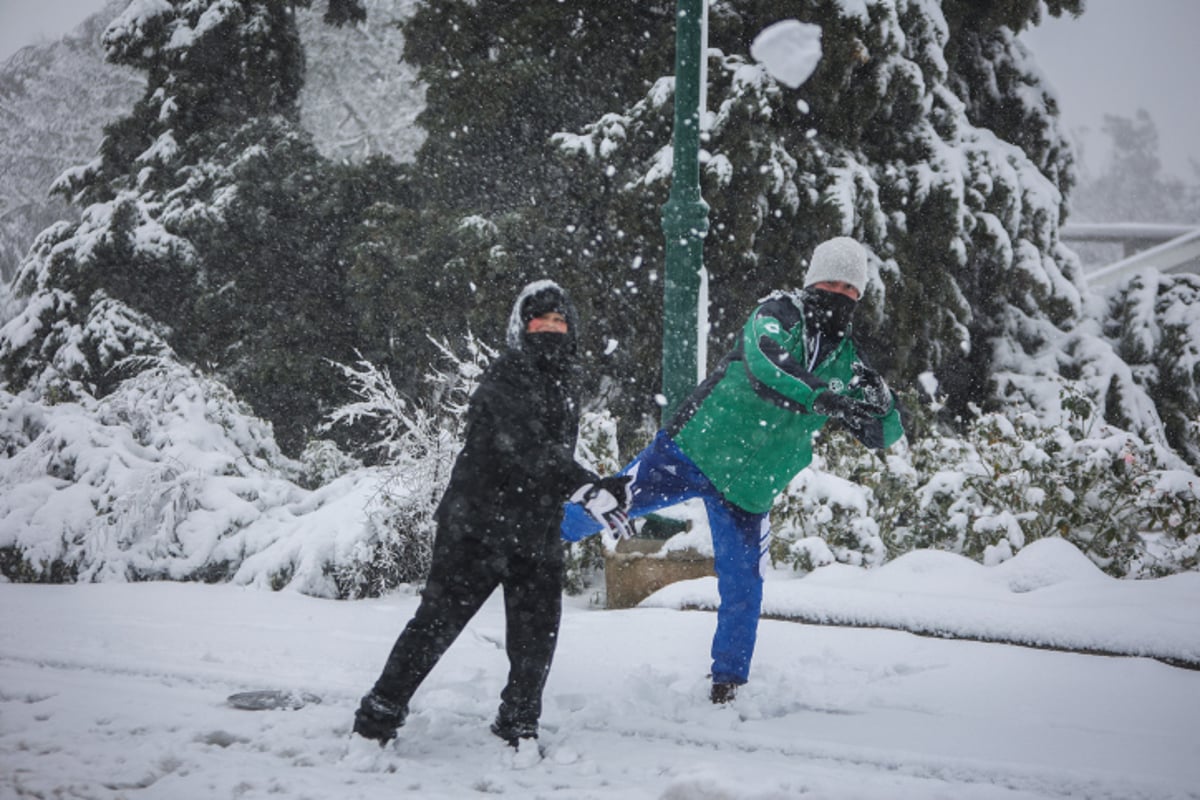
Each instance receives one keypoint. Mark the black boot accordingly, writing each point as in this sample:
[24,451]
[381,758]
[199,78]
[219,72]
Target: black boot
[522,738]
[377,718]
[723,693]
[512,732]
[516,720]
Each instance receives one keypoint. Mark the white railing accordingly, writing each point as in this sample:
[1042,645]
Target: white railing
[1175,248]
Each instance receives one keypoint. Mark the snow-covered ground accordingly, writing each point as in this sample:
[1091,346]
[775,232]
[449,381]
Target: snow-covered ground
[118,691]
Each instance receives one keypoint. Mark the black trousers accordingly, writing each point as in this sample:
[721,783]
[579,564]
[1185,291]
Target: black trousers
[463,575]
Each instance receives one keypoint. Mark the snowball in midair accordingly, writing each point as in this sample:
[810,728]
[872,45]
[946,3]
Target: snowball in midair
[789,50]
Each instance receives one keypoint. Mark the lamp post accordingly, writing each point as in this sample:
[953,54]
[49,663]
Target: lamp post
[685,219]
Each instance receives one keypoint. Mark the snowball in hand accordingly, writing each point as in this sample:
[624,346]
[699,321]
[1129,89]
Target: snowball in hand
[789,50]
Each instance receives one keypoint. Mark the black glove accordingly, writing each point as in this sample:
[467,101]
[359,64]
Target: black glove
[831,404]
[618,486]
[607,500]
[854,415]
[877,397]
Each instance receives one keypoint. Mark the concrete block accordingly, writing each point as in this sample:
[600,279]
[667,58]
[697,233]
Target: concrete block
[637,569]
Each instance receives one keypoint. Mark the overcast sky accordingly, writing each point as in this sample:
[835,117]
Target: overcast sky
[1121,55]
[25,22]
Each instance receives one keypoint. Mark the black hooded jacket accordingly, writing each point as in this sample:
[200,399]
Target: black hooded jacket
[517,467]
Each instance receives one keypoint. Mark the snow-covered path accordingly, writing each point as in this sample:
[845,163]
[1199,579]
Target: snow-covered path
[117,691]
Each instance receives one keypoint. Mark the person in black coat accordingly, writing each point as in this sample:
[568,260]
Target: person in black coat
[498,521]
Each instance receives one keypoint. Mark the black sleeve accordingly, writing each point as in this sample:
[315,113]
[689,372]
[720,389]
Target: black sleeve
[770,339]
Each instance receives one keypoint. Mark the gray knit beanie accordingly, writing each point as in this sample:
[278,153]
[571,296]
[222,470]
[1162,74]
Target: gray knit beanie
[838,259]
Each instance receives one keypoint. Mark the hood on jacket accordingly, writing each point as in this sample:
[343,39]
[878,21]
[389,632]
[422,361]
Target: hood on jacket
[536,299]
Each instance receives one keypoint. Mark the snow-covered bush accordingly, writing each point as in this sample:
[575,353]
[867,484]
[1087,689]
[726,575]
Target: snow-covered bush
[153,481]
[1007,481]
[1101,488]
[418,441]
[832,511]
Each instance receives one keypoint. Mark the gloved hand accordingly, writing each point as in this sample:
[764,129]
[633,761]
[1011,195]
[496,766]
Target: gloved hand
[877,397]
[618,486]
[831,404]
[607,500]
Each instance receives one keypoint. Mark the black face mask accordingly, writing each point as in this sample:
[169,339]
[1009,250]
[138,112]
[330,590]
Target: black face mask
[551,351]
[828,313]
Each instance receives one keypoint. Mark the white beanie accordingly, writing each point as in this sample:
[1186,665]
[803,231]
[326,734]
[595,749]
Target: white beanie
[838,259]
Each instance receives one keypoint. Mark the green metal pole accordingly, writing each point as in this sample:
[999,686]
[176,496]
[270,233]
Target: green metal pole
[684,219]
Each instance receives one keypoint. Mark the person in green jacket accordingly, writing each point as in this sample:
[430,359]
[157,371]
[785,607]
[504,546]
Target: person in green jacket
[746,431]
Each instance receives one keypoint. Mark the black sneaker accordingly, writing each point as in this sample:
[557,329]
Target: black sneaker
[377,718]
[723,693]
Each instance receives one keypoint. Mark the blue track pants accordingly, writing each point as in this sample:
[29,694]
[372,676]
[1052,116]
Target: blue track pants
[664,476]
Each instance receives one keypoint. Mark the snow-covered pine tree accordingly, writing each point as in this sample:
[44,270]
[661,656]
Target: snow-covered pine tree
[358,101]
[881,144]
[503,76]
[209,66]
[55,100]
[111,438]
[123,246]
[924,132]
[209,210]
[1154,321]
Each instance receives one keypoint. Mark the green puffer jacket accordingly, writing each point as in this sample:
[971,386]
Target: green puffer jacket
[749,426]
